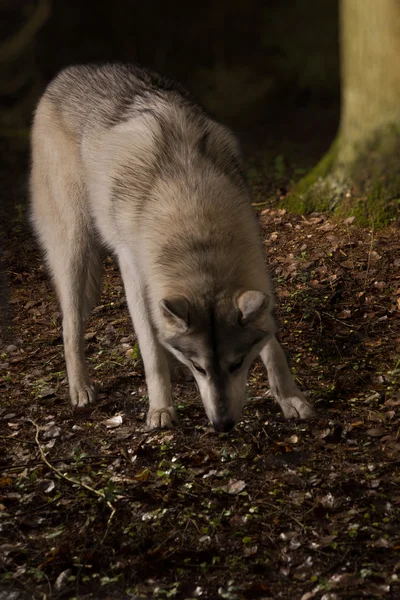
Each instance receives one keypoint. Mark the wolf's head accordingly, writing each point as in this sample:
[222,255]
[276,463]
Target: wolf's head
[218,342]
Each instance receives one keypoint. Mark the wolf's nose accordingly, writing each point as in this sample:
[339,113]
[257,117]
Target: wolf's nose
[224,425]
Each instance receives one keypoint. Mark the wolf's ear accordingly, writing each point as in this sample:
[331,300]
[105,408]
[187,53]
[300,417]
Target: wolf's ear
[252,305]
[175,311]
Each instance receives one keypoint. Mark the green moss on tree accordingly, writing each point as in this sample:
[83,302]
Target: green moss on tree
[307,196]
[367,187]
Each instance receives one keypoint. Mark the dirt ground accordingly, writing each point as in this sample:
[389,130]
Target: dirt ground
[93,506]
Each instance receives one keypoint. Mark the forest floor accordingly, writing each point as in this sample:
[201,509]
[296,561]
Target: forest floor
[95,506]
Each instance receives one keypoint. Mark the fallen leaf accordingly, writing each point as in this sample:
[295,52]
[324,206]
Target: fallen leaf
[357,424]
[234,487]
[347,264]
[47,485]
[113,422]
[47,392]
[143,475]
[392,402]
[62,580]
[250,550]
[52,432]
[376,431]
[5,481]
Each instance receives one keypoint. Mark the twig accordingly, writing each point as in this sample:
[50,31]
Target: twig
[52,468]
[73,481]
[13,437]
[339,321]
[33,463]
[344,273]
[351,253]
[369,257]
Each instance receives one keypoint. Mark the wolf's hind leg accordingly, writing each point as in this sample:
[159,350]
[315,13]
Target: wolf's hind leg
[76,269]
[161,411]
[281,382]
[62,221]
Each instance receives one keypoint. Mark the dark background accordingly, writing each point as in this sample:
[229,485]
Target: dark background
[242,59]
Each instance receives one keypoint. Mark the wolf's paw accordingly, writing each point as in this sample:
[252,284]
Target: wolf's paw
[162,417]
[82,394]
[297,407]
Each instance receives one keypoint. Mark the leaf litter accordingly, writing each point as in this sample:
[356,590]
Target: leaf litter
[92,505]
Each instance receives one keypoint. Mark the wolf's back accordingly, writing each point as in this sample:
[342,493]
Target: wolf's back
[108,94]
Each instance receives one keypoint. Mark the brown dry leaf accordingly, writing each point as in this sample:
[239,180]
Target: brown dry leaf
[282,293]
[347,264]
[345,314]
[392,402]
[376,417]
[5,481]
[143,475]
[357,424]
[376,431]
[374,256]
[52,431]
[390,414]
[283,447]
[321,433]
[332,239]
[327,227]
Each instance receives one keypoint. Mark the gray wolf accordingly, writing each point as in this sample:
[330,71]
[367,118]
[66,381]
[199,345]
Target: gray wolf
[124,159]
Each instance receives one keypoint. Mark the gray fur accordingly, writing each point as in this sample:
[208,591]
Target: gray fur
[124,159]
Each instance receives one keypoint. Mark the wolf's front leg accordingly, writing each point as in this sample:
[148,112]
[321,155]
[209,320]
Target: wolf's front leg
[161,411]
[281,382]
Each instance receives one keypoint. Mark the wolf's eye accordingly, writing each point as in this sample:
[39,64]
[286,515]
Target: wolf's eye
[199,369]
[236,366]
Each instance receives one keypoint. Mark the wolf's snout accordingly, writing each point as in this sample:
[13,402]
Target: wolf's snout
[224,425]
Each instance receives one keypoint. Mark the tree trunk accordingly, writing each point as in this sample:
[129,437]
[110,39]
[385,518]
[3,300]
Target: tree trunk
[360,173]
